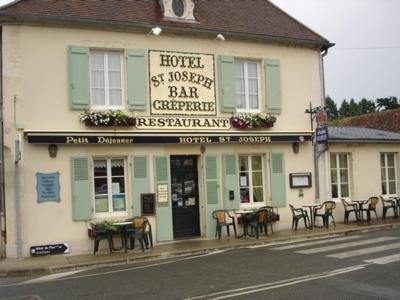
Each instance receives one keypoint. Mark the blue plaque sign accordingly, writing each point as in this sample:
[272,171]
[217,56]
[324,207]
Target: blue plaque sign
[322,134]
[48,187]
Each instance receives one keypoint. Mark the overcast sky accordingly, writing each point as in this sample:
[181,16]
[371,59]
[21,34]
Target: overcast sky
[366,59]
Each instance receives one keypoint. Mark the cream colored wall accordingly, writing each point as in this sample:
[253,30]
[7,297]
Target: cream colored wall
[36,70]
[35,75]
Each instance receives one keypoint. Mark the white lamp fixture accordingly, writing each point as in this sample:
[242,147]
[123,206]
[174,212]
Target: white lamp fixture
[220,37]
[155,31]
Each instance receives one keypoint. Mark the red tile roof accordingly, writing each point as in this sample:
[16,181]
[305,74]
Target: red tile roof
[386,120]
[234,18]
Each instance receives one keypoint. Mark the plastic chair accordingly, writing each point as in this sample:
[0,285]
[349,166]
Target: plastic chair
[103,235]
[350,208]
[326,211]
[270,216]
[372,203]
[224,219]
[143,224]
[388,204]
[298,214]
[260,222]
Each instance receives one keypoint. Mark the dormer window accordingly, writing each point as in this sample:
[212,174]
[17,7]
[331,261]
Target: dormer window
[178,7]
[178,10]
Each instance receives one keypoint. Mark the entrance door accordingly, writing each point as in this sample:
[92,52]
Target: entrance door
[185,196]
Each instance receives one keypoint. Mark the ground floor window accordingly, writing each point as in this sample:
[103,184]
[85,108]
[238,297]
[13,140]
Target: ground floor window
[388,174]
[251,178]
[109,185]
[340,175]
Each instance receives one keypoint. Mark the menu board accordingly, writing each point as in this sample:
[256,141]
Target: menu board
[148,204]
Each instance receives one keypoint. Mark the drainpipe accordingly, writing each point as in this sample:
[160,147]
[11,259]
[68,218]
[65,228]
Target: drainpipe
[2,193]
[317,152]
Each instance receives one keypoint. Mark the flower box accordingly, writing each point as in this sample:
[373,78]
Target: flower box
[106,118]
[252,120]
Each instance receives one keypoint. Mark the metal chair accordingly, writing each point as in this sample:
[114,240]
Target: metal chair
[298,214]
[350,208]
[224,219]
[326,211]
[388,204]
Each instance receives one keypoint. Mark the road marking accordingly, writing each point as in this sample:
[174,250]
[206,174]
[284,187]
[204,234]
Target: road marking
[318,242]
[384,260]
[347,245]
[51,277]
[277,284]
[365,251]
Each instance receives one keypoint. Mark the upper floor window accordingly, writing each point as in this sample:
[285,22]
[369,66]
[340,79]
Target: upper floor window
[388,174]
[340,175]
[251,179]
[109,185]
[247,86]
[106,79]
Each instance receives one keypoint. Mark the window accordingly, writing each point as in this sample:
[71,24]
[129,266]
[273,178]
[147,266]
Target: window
[247,86]
[340,175]
[106,79]
[251,179]
[388,174]
[178,6]
[109,185]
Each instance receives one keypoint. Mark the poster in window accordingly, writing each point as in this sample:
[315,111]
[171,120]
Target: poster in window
[119,202]
[162,193]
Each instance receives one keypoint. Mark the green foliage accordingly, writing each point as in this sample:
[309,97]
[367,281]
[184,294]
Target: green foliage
[366,106]
[103,226]
[387,103]
[333,112]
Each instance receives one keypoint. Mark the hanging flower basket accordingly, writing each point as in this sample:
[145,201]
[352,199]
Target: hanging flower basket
[106,118]
[252,120]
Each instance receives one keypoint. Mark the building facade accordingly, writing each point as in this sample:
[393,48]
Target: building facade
[169,109]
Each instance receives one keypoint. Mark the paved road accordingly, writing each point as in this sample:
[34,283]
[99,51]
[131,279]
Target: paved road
[362,266]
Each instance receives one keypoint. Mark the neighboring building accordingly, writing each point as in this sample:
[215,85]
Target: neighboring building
[388,120]
[363,162]
[180,69]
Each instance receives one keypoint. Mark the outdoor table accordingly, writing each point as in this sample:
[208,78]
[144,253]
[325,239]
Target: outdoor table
[311,207]
[245,214]
[360,204]
[122,228]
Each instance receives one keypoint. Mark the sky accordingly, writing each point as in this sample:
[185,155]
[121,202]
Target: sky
[365,62]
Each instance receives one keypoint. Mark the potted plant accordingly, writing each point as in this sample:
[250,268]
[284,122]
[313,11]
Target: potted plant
[103,227]
[106,118]
[252,120]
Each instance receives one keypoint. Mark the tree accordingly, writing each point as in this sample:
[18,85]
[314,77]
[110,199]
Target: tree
[366,106]
[354,108]
[344,110]
[387,103]
[333,112]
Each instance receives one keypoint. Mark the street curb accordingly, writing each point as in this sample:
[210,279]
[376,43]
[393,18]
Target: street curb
[20,271]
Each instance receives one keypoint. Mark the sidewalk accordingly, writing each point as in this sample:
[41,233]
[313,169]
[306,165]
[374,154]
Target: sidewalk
[62,263]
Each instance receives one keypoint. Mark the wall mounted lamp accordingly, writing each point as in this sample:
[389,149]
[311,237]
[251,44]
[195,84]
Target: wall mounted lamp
[155,31]
[296,147]
[53,150]
[220,37]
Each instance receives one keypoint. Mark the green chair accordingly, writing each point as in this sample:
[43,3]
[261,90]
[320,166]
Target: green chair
[297,215]
[260,222]
[143,224]
[103,235]
[224,219]
[350,208]
[388,204]
[372,203]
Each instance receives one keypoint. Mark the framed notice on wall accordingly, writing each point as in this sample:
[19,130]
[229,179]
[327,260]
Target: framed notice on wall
[148,204]
[300,180]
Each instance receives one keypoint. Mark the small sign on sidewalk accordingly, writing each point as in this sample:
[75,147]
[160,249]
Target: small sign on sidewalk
[49,249]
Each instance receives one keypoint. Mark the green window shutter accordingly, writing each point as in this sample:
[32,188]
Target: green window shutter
[278,188]
[226,67]
[211,192]
[164,210]
[140,182]
[273,100]
[81,189]
[231,181]
[78,59]
[137,79]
